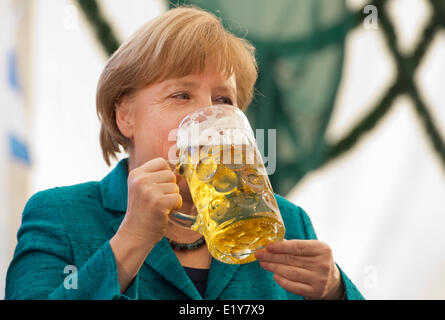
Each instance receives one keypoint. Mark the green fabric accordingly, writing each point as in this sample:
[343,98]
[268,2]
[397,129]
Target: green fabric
[300,50]
[73,225]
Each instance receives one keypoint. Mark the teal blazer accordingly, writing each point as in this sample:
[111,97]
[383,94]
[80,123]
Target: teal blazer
[63,252]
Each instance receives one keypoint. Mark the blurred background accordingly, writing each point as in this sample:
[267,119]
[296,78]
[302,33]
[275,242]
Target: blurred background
[355,90]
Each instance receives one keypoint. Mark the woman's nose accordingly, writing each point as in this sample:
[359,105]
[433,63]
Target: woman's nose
[205,100]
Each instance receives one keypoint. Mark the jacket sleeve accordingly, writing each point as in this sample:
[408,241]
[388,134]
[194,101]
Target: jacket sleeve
[352,293]
[43,266]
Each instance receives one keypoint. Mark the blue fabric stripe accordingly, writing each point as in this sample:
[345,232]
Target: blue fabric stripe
[19,149]
[12,70]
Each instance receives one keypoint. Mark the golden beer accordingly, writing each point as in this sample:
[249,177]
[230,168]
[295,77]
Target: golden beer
[237,212]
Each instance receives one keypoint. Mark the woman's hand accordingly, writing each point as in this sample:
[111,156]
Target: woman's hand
[303,267]
[152,194]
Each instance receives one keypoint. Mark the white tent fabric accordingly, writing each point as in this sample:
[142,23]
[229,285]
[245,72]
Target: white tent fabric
[65,88]
[380,206]
[380,210]
[14,151]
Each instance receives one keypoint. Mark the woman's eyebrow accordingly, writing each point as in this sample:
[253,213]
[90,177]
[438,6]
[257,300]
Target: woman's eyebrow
[228,89]
[193,85]
[184,84]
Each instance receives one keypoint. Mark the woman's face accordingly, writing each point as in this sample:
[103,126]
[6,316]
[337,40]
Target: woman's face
[149,115]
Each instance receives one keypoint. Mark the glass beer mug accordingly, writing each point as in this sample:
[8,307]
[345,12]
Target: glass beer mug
[218,156]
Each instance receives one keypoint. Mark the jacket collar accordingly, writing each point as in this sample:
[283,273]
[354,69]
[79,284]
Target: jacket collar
[161,258]
[114,188]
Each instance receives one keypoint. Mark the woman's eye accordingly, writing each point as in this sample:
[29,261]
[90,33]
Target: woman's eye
[181,95]
[224,100]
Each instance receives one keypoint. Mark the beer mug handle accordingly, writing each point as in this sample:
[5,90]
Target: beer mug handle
[181,219]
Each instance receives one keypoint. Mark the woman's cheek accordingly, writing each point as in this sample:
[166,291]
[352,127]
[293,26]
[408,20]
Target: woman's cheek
[167,143]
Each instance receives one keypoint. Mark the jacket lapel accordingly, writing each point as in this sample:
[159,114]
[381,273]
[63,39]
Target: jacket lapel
[163,260]
[220,275]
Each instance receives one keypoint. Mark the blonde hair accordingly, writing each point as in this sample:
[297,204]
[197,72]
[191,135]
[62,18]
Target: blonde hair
[171,45]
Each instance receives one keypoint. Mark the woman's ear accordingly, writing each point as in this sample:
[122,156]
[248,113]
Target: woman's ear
[125,117]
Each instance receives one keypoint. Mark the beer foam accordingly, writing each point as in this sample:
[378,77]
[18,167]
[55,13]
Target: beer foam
[214,125]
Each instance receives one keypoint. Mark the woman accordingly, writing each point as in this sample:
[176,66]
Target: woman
[108,239]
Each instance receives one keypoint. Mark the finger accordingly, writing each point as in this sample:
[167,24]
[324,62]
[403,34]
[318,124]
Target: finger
[168,188]
[163,176]
[292,273]
[298,288]
[303,262]
[154,165]
[296,247]
[172,201]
